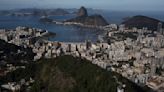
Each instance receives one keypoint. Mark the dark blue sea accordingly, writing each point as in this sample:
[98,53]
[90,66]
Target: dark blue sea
[71,33]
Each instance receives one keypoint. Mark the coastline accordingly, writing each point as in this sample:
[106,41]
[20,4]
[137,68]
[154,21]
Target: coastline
[74,24]
[49,35]
[88,50]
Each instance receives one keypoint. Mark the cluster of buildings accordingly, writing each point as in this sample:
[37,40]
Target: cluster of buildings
[141,60]
[16,86]
[22,35]
[144,56]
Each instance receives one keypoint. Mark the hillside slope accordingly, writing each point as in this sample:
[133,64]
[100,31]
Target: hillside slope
[13,54]
[93,20]
[142,21]
[69,74]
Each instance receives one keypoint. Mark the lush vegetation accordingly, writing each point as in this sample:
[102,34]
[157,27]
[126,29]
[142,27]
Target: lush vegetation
[19,74]
[14,54]
[69,74]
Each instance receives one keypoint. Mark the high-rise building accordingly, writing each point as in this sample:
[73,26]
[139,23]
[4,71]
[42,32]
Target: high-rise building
[69,48]
[159,28]
[88,44]
[122,27]
[153,66]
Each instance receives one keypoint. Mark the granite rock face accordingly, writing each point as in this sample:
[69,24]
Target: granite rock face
[142,21]
[82,12]
[93,20]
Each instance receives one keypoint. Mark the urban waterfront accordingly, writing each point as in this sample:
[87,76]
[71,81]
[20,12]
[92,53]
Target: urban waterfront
[71,33]
[64,33]
[131,53]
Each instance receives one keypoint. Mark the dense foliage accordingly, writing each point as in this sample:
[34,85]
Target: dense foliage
[14,54]
[69,74]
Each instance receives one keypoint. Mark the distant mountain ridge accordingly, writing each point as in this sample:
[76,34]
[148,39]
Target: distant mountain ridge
[140,21]
[59,11]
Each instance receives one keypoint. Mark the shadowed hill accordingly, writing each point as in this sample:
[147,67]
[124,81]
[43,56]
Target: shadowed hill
[69,74]
[14,54]
[142,21]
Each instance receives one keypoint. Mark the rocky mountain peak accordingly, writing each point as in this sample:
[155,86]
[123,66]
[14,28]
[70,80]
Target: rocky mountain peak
[82,12]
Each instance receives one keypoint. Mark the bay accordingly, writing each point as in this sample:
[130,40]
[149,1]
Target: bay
[73,33]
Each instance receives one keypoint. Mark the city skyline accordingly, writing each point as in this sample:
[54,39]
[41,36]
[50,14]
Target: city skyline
[144,5]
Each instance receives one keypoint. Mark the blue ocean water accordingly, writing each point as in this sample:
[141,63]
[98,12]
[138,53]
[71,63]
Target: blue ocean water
[64,33]
[72,33]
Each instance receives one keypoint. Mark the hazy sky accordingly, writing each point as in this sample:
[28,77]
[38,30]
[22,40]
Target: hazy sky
[155,5]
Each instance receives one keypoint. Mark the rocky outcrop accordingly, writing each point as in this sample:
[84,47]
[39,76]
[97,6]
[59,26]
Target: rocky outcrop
[93,20]
[142,21]
[82,12]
